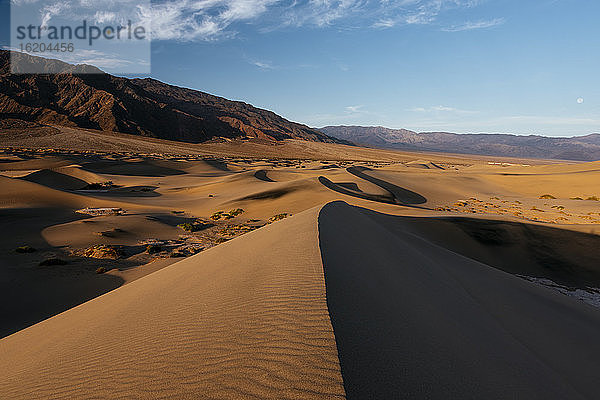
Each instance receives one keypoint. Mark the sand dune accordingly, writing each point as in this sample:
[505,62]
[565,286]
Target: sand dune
[352,189]
[55,180]
[263,176]
[251,318]
[423,298]
[414,320]
[423,164]
[401,195]
[247,319]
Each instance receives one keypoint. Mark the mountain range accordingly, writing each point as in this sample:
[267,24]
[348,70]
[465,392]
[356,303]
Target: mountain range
[581,148]
[85,97]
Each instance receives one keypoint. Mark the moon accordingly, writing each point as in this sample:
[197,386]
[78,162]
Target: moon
[580,100]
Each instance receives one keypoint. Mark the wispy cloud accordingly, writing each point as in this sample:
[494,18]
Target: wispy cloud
[353,109]
[473,25]
[352,114]
[188,20]
[192,20]
[440,109]
[51,10]
[415,12]
[263,65]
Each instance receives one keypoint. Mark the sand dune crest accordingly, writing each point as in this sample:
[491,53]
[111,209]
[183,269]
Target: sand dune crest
[246,319]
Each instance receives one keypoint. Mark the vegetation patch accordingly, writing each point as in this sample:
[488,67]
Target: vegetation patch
[111,233]
[102,251]
[99,186]
[217,216]
[235,212]
[229,215]
[25,249]
[100,270]
[194,226]
[52,261]
[101,211]
[278,217]
[153,249]
[547,197]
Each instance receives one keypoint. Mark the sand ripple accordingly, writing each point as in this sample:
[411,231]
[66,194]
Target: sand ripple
[247,319]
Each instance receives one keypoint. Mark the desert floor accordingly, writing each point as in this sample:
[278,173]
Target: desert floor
[134,268]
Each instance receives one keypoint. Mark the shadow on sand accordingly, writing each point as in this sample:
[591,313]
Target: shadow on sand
[397,195]
[415,319]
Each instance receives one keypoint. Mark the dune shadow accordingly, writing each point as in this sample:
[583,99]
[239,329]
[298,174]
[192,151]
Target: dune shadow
[566,257]
[55,180]
[343,188]
[397,194]
[36,293]
[416,312]
[218,164]
[127,191]
[402,196]
[268,194]
[66,183]
[170,219]
[262,175]
[139,168]
[349,185]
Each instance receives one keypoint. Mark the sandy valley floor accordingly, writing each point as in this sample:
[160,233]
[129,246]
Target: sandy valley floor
[238,270]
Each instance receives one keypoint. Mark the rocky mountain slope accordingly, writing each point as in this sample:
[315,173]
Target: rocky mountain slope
[583,148]
[144,107]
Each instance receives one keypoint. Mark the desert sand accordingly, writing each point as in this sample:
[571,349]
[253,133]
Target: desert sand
[416,320]
[253,269]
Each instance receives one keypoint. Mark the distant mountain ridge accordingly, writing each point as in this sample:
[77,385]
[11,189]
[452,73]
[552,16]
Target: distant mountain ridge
[144,107]
[581,148]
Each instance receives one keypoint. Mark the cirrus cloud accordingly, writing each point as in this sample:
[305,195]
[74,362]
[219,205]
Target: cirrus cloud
[472,25]
[193,20]
[188,20]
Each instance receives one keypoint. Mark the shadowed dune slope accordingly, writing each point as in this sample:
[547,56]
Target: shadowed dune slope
[246,319]
[55,180]
[415,320]
[403,196]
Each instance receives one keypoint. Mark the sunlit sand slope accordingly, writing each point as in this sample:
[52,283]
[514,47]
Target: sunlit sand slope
[246,319]
[413,320]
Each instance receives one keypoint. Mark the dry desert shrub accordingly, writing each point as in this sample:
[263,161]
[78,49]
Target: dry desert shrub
[25,249]
[103,251]
[278,217]
[52,261]
[153,249]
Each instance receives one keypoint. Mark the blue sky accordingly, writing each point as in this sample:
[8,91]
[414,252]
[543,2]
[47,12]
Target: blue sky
[524,67]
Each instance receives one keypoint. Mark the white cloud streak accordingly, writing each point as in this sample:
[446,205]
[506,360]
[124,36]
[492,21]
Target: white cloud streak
[188,20]
[440,109]
[354,109]
[193,20]
[264,65]
[473,25]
